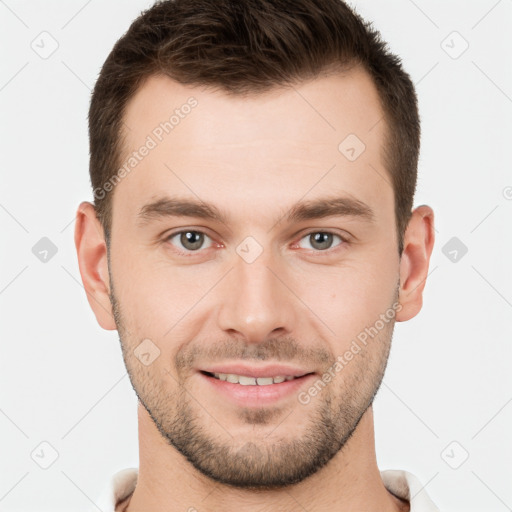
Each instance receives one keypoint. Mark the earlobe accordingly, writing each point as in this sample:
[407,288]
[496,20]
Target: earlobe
[92,260]
[418,245]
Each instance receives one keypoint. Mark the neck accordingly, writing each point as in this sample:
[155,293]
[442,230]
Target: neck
[167,482]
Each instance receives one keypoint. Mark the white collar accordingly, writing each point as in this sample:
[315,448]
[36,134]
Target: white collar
[400,483]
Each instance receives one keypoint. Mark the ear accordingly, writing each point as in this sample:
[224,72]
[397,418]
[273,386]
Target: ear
[91,250]
[418,245]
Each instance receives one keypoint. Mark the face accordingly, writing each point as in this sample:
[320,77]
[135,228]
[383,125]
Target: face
[252,243]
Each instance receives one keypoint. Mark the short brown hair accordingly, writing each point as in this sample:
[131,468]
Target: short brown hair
[244,47]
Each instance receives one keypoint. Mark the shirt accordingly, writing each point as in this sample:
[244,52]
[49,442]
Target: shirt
[400,483]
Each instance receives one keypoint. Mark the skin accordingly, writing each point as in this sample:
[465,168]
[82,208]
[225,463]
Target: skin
[254,157]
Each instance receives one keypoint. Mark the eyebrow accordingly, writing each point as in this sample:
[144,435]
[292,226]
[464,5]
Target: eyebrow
[305,210]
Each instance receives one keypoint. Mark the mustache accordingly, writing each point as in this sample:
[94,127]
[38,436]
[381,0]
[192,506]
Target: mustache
[273,349]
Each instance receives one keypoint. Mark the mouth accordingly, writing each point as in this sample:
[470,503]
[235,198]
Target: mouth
[246,386]
[247,380]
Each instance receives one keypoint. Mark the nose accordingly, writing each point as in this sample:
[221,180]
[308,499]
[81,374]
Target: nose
[256,301]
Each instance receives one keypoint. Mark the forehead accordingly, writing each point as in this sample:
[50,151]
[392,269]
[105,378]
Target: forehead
[329,106]
[317,137]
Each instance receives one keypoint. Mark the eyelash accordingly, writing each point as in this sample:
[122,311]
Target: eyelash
[189,253]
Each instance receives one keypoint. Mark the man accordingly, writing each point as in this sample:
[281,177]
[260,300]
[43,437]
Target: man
[252,239]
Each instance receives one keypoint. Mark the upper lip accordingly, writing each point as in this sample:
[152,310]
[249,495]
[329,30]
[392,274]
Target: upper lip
[271,370]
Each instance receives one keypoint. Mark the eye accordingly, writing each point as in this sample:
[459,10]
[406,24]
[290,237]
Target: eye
[189,240]
[320,240]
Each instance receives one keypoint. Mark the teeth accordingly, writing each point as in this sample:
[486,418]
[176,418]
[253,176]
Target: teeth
[265,381]
[251,381]
[246,381]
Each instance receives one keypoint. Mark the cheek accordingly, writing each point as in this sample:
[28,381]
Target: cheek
[351,298]
[157,299]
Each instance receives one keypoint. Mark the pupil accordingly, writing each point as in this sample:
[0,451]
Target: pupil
[192,240]
[321,240]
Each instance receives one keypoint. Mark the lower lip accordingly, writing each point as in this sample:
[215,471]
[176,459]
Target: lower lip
[254,396]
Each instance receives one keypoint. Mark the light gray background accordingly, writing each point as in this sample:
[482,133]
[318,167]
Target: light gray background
[62,378]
